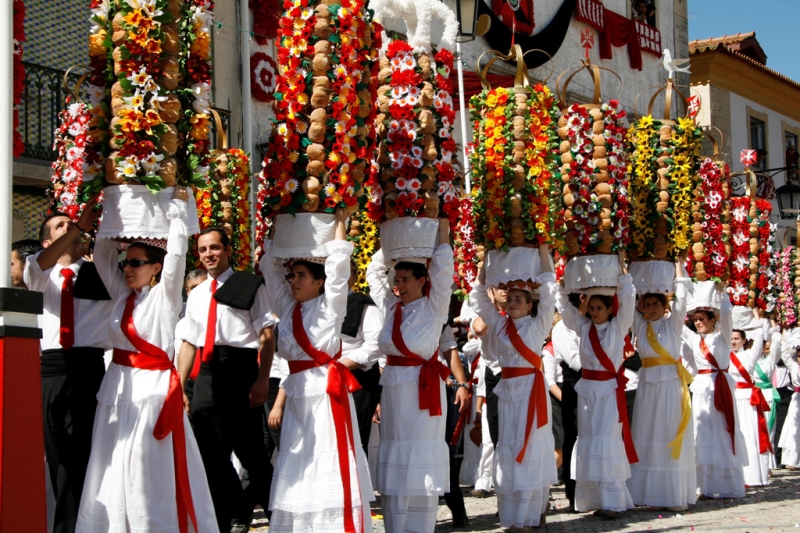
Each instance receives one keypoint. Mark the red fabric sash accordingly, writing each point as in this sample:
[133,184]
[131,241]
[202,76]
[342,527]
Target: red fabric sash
[170,419]
[758,401]
[622,401]
[537,403]
[340,383]
[466,417]
[723,399]
[431,369]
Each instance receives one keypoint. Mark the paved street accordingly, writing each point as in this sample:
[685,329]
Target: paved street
[765,509]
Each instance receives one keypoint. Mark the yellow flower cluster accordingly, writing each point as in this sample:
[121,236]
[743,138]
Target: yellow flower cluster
[365,245]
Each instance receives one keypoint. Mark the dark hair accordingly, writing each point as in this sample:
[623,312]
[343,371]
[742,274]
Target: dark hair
[608,301]
[26,247]
[44,229]
[740,332]
[575,299]
[316,270]
[662,298]
[418,270]
[709,314]
[223,237]
[154,254]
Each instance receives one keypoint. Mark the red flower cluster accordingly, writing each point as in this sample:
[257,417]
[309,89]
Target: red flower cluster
[739,283]
[465,250]
[712,205]
[765,280]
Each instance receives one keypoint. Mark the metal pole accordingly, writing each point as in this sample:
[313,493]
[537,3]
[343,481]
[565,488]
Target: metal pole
[246,107]
[464,118]
[6,138]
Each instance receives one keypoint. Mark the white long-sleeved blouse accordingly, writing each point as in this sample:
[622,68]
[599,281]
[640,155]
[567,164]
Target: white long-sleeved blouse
[322,316]
[422,319]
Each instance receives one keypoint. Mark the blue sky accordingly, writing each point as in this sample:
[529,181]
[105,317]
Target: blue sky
[776,23]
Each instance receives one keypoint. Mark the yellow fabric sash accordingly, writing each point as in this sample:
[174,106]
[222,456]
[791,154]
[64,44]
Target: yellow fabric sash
[664,358]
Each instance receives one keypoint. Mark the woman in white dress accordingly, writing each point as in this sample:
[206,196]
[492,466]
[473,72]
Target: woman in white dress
[145,472]
[719,445]
[413,464]
[665,476]
[321,480]
[790,436]
[763,379]
[603,451]
[751,405]
[524,461]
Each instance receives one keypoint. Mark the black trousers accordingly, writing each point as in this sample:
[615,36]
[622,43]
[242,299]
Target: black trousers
[569,417]
[783,409]
[70,381]
[491,405]
[366,399]
[455,498]
[223,423]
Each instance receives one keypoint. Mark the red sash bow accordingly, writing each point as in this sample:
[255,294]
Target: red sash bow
[431,369]
[622,402]
[170,419]
[758,401]
[537,403]
[723,399]
[465,418]
[340,383]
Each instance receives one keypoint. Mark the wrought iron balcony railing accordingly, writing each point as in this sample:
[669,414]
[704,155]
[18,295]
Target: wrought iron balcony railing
[44,98]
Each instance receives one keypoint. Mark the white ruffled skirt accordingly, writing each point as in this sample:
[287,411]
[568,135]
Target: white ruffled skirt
[599,463]
[130,481]
[307,490]
[522,489]
[757,470]
[413,461]
[485,480]
[719,471]
[790,435]
[658,479]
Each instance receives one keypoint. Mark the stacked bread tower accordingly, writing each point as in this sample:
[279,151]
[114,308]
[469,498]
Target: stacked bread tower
[319,149]
[594,194]
[711,248]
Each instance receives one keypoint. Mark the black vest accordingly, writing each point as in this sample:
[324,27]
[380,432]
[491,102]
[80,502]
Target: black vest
[88,285]
[355,309]
[239,291]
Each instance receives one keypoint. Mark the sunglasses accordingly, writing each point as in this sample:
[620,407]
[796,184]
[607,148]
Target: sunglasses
[134,263]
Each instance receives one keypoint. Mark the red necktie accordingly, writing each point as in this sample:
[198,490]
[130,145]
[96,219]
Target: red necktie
[67,331]
[211,325]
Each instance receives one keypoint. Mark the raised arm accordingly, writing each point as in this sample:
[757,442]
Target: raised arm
[337,270]
[571,317]
[775,346]
[726,317]
[441,272]
[56,248]
[683,287]
[378,280]
[627,304]
[278,293]
[177,246]
[106,260]
[547,300]
[481,304]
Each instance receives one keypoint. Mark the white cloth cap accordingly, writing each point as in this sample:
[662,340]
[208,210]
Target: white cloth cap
[592,274]
[704,297]
[517,264]
[743,318]
[409,239]
[653,276]
[303,235]
[132,212]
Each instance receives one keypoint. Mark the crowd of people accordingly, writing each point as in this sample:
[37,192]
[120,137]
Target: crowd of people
[291,391]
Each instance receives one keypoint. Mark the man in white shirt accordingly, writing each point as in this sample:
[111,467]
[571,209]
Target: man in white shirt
[229,317]
[75,335]
[360,353]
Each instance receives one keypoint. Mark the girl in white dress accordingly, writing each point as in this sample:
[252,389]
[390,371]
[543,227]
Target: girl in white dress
[665,475]
[145,472]
[751,405]
[321,480]
[763,379]
[472,452]
[790,435]
[525,463]
[603,451]
[413,464]
[720,450]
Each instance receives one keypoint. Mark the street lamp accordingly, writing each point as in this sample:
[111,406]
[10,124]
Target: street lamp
[467,14]
[788,200]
